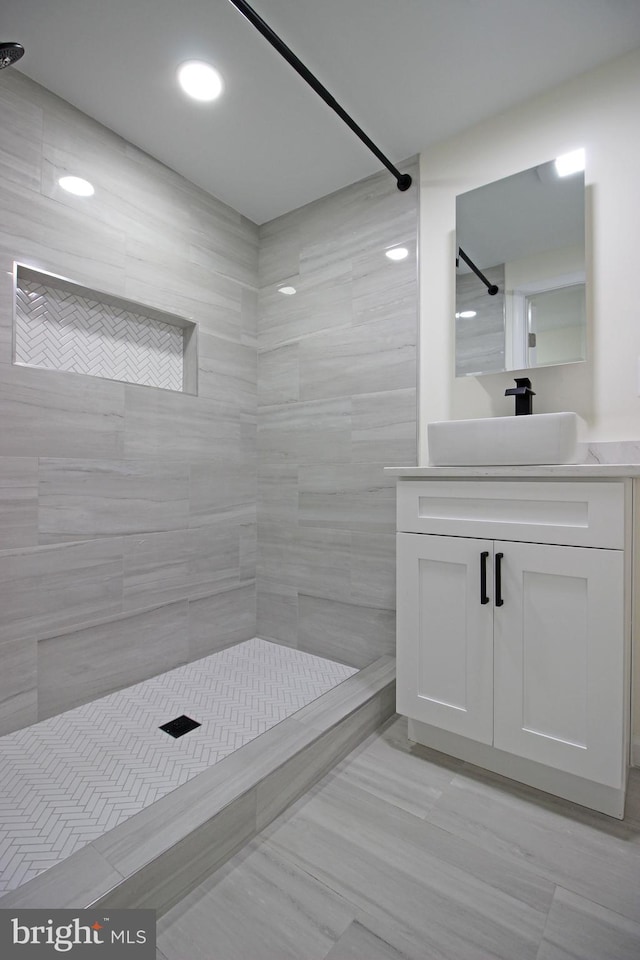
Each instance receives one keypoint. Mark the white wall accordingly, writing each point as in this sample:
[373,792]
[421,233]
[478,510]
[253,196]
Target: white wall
[599,111]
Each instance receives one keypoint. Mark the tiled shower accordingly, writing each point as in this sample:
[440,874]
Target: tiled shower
[132,518]
[146,527]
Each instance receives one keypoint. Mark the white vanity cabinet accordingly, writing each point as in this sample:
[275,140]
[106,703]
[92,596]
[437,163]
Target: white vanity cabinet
[513,627]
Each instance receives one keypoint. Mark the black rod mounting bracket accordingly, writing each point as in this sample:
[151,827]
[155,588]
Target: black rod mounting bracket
[403,180]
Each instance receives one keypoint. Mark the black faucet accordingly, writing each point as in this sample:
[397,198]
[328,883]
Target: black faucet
[523,394]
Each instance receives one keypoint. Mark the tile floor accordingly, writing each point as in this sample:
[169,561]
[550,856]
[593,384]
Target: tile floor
[401,853]
[67,780]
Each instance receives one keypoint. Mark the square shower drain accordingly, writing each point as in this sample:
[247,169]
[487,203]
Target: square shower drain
[180,726]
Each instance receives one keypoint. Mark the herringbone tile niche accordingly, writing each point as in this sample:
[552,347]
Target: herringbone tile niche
[60,325]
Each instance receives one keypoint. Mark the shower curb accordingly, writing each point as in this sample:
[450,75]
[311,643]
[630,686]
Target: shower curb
[160,854]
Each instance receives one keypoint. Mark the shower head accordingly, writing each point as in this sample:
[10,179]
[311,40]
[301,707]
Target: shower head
[9,53]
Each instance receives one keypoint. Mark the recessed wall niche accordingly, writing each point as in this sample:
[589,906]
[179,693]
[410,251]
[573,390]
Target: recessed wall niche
[61,325]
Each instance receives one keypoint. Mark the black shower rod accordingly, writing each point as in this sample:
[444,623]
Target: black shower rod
[403,179]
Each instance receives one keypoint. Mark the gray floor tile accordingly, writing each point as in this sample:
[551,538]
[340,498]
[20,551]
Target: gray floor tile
[445,893]
[260,906]
[578,929]
[589,853]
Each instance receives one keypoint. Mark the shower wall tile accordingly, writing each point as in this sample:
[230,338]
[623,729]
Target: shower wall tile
[220,620]
[18,502]
[277,611]
[278,552]
[324,560]
[278,380]
[192,292]
[46,589]
[382,287]
[227,372]
[368,358]
[279,252]
[78,667]
[18,684]
[322,301]
[336,404]
[228,249]
[155,569]
[51,414]
[249,309]
[356,496]
[385,422]
[373,569]
[60,238]
[346,632]
[277,492]
[249,550]
[224,488]
[306,432]
[158,424]
[20,154]
[86,499]
[146,500]
[214,559]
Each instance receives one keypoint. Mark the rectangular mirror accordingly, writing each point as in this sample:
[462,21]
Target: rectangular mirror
[520,270]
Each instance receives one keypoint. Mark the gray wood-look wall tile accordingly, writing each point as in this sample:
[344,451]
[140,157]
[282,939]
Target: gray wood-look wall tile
[223,488]
[227,371]
[77,667]
[220,620]
[306,432]
[336,402]
[214,559]
[384,427]
[368,358]
[346,632]
[277,491]
[278,380]
[277,611]
[176,426]
[168,480]
[356,496]
[44,589]
[21,153]
[52,414]
[155,569]
[18,684]
[373,569]
[18,502]
[86,499]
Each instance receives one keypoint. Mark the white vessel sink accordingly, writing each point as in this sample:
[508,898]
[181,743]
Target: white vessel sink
[506,441]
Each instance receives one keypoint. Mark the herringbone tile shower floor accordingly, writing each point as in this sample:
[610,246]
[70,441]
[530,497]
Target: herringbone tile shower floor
[67,780]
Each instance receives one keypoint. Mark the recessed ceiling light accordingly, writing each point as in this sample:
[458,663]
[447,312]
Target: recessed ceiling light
[200,80]
[397,253]
[570,163]
[288,291]
[466,314]
[81,188]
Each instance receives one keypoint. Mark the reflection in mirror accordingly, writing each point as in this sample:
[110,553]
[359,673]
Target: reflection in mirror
[524,234]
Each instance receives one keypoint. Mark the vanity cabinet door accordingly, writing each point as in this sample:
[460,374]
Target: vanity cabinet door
[559,658]
[445,633]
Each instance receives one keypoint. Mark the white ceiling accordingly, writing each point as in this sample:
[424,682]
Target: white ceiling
[410,72]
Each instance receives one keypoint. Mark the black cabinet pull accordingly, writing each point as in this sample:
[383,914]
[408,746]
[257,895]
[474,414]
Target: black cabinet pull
[498,586]
[483,577]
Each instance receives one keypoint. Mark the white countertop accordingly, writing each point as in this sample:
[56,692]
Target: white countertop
[564,471]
